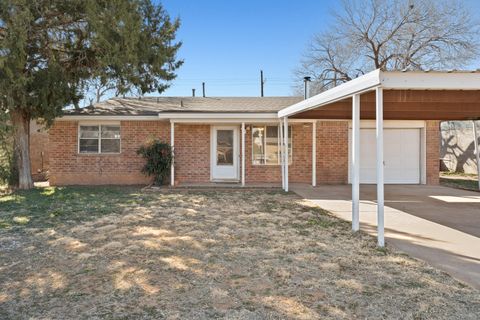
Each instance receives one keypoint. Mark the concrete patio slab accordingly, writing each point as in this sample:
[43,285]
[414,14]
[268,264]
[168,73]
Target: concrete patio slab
[437,224]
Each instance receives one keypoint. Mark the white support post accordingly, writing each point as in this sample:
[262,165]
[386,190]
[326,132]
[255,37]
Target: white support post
[314,154]
[380,178]
[356,162]
[243,154]
[285,133]
[282,157]
[477,150]
[172,144]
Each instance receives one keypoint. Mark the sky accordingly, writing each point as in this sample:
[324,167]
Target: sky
[227,42]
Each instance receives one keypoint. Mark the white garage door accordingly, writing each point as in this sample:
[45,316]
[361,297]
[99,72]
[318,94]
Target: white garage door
[401,156]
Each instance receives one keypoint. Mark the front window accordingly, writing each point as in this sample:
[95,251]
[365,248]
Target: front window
[266,145]
[99,138]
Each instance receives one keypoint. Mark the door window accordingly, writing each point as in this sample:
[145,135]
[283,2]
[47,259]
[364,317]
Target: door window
[225,147]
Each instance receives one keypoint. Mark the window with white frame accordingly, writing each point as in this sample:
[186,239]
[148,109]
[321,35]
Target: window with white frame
[266,145]
[102,138]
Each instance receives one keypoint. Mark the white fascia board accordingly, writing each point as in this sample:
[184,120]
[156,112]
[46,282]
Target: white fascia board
[272,119]
[225,121]
[223,116]
[106,118]
[345,90]
[430,80]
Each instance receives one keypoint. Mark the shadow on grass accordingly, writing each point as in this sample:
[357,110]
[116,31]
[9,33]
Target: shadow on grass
[43,207]
[465,184]
[204,255]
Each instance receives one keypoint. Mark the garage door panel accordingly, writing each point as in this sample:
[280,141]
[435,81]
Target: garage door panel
[401,156]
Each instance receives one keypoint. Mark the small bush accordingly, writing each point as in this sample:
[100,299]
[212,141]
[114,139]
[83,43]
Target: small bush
[158,156]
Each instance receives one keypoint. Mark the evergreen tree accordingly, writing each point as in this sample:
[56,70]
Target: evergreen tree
[51,49]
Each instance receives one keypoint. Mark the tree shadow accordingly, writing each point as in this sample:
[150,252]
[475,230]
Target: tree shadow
[462,155]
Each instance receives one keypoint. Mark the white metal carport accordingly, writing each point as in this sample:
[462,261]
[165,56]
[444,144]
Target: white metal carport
[377,81]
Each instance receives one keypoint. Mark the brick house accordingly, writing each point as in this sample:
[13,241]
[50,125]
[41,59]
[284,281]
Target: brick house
[243,139]
[80,153]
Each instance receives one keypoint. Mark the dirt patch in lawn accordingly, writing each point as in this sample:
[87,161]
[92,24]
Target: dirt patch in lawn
[203,255]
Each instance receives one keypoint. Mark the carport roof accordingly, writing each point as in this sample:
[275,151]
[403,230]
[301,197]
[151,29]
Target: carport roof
[399,83]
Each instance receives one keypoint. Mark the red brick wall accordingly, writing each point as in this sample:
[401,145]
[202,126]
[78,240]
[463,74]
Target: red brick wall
[192,150]
[299,169]
[332,152]
[192,153]
[67,167]
[433,151]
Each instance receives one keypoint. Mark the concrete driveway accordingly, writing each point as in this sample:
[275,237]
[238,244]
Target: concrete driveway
[437,224]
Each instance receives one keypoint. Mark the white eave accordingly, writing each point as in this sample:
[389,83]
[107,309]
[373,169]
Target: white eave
[213,117]
[106,118]
[409,80]
[179,117]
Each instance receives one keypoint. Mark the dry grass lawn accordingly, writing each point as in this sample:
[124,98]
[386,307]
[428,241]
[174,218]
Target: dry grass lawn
[121,253]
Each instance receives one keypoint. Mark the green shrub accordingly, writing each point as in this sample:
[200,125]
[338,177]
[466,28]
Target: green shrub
[158,156]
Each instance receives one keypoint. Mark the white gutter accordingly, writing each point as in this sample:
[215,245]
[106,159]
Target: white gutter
[213,115]
[180,116]
[106,118]
[411,80]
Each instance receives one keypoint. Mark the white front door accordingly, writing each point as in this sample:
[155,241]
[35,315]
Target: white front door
[224,155]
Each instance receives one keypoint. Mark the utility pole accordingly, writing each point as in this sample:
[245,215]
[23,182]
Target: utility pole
[306,80]
[203,89]
[262,82]
[193,92]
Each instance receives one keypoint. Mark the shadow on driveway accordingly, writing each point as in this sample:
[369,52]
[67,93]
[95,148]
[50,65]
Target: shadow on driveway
[437,224]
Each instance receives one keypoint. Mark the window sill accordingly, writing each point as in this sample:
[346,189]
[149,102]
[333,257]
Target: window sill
[268,165]
[98,154]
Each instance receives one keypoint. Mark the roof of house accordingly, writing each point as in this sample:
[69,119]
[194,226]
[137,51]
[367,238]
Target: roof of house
[154,105]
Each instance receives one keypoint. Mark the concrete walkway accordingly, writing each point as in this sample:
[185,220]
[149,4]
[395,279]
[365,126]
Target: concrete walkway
[437,224]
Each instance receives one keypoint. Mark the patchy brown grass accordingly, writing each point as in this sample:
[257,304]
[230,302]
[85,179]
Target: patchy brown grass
[206,254]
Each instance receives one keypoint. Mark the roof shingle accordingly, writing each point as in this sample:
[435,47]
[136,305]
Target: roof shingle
[153,105]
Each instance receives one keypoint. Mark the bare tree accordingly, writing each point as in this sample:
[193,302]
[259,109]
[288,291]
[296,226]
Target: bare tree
[96,88]
[390,35]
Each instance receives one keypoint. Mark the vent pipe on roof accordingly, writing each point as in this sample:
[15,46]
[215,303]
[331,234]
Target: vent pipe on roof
[203,89]
[193,92]
[306,80]
[262,82]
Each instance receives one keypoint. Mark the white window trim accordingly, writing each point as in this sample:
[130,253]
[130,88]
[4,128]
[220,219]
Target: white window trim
[99,124]
[290,132]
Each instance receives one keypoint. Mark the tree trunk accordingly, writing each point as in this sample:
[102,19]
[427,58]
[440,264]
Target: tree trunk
[21,143]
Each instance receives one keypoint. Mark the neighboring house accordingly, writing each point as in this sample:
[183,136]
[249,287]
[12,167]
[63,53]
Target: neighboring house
[98,144]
